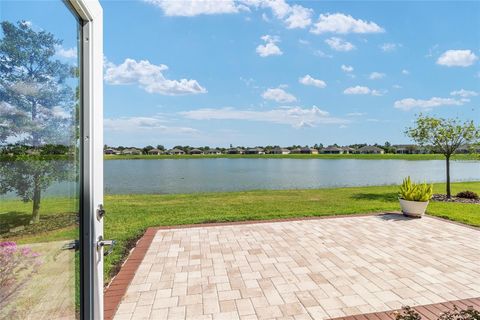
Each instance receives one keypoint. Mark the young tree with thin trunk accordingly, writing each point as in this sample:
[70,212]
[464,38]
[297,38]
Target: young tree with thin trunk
[37,108]
[444,136]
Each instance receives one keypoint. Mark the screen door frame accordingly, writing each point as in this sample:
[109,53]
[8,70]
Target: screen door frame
[91,143]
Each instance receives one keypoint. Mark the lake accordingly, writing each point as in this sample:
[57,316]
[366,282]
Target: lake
[170,176]
[213,175]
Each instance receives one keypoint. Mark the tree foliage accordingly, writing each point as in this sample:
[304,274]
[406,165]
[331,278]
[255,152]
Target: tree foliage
[34,95]
[444,136]
[38,108]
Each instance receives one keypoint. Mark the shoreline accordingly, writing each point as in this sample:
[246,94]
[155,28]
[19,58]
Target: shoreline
[411,157]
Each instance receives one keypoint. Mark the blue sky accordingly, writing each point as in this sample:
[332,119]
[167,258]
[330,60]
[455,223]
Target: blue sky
[258,72]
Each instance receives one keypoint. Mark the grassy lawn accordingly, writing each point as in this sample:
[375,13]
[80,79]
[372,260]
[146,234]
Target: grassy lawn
[128,216]
[300,156]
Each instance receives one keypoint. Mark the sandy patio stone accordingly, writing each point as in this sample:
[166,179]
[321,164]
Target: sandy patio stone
[305,269]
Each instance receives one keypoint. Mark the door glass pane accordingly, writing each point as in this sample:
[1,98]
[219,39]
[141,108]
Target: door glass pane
[39,160]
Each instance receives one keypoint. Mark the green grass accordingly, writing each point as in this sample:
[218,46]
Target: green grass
[128,216]
[300,156]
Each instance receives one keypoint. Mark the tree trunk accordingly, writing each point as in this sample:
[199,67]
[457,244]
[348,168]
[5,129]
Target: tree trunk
[36,199]
[449,195]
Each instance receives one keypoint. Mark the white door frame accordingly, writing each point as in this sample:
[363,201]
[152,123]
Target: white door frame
[91,15]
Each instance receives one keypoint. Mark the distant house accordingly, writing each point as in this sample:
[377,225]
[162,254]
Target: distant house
[132,151]
[332,150]
[408,149]
[32,152]
[296,151]
[110,151]
[213,151]
[309,151]
[370,150]
[280,151]
[155,152]
[255,151]
[347,150]
[468,149]
[175,151]
[235,151]
[196,151]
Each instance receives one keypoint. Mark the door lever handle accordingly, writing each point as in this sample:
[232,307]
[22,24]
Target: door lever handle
[102,243]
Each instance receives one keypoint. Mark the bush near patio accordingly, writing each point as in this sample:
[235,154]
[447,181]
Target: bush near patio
[408,313]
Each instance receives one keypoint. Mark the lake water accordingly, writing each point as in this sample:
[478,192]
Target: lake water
[170,176]
[211,175]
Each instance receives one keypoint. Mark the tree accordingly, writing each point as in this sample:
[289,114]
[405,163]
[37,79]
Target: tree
[444,136]
[38,105]
[29,176]
[146,149]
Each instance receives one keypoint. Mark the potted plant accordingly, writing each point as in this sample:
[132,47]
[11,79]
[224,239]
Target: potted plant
[414,198]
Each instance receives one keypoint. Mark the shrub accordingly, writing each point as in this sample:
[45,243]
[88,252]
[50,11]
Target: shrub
[467,195]
[456,314]
[415,192]
[407,313]
[13,262]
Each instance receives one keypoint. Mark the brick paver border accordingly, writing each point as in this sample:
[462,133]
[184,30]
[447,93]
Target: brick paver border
[118,286]
[428,312]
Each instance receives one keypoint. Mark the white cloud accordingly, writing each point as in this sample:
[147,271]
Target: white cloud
[405,72]
[378,93]
[293,16]
[190,8]
[321,54]
[339,44]
[135,124]
[376,75]
[464,93]
[297,117]
[278,95]
[308,80]
[357,90]
[150,78]
[269,48]
[457,58]
[389,47]
[346,68]
[341,23]
[410,103]
[397,86]
[69,53]
[300,17]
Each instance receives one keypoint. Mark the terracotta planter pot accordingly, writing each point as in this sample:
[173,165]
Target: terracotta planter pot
[414,209]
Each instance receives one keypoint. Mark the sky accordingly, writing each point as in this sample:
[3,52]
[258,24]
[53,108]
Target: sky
[275,72]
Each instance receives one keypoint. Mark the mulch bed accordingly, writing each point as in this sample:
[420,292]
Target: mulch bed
[443,197]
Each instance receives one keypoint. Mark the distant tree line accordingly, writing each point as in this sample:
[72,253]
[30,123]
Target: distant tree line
[387,147]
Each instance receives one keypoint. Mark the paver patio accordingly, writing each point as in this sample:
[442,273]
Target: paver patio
[305,269]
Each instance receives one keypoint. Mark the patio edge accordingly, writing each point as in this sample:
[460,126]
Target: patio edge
[428,312]
[118,286]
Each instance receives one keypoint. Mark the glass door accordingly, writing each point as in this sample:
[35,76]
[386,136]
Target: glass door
[50,267]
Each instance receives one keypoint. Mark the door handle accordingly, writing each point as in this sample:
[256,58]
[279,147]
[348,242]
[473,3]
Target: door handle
[100,212]
[102,243]
[73,245]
